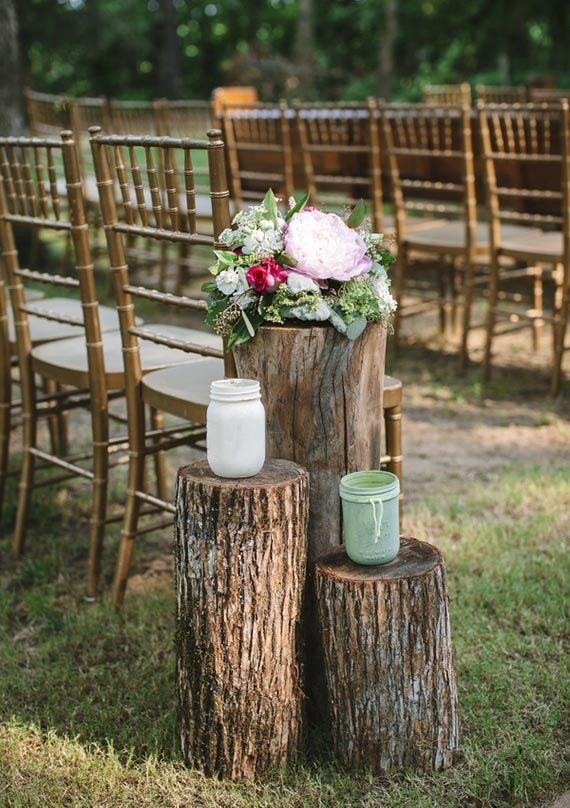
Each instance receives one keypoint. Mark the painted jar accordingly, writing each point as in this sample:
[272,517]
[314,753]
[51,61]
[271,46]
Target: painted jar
[370,516]
[235,428]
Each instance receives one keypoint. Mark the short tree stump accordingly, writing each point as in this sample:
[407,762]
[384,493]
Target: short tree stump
[391,683]
[241,555]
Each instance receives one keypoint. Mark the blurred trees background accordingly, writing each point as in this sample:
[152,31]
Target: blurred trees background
[328,49]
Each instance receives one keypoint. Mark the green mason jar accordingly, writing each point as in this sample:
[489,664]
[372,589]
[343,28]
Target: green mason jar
[370,516]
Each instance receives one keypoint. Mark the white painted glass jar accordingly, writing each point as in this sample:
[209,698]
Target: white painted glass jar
[235,428]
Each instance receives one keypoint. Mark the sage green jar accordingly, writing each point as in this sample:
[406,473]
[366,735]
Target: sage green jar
[370,516]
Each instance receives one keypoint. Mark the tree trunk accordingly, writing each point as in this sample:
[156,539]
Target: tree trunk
[11,121]
[323,401]
[388,662]
[168,64]
[241,548]
[386,50]
[305,46]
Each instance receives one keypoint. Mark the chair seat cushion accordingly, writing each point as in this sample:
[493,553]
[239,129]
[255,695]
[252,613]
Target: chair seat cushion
[535,245]
[42,330]
[66,361]
[183,391]
[451,235]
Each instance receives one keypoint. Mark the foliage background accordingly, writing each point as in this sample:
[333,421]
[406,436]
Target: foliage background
[298,48]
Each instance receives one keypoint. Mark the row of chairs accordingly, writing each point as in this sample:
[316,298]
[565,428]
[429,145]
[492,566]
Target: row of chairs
[431,157]
[74,353]
[489,94]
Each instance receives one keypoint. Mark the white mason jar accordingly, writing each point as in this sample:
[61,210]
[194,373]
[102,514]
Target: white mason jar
[235,428]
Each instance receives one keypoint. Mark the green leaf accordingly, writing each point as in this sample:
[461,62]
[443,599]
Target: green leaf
[209,286]
[270,207]
[288,259]
[337,321]
[248,324]
[225,257]
[358,213]
[355,328]
[298,207]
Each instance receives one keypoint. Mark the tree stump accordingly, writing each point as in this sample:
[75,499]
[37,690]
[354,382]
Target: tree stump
[323,400]
[241,554]
[388,664]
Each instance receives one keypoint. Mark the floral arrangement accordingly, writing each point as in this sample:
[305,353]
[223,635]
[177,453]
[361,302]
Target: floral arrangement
[306,265]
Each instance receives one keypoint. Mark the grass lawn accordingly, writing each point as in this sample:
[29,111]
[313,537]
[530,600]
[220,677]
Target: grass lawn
[87,697]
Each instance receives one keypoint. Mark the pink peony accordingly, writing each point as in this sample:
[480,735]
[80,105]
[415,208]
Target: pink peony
[325,247]
[266,276]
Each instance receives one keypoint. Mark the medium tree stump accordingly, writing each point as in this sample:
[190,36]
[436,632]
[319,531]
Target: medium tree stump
[323,399]
[241,554]
[388,664]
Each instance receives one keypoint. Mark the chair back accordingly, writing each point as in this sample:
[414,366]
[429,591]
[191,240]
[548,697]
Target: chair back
[47,114]
[526,151]
[142,167]
[493,94]
[29,196]
[447,94]
[341,154]
[430,156]
[133,117]
[548,95]
[183,119]
[258,140]
[83,113]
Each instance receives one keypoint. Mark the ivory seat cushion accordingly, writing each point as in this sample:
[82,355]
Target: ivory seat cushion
[42,330]
[451,236]
[392,391]
[183,391]
[538,246]
[66,361]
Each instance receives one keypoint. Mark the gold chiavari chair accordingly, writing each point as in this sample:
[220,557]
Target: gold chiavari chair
[497,94]
[440,94]
[183,118]
[533,141]
[341,156]
[130,117]
[430,155]
[258,141]
[88,367]
[171,219]
[548,95]
[47,114]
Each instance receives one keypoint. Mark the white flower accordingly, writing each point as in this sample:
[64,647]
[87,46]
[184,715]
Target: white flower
[263,241]
[301,283]
[381,287]
[229,282]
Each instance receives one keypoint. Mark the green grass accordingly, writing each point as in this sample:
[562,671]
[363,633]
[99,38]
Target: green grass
[87,698]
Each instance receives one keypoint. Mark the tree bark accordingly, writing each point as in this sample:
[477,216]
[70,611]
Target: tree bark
[11,120]
[388,661]
[323,401]
[386,50]
[241,549]
[305,46]
[168,62]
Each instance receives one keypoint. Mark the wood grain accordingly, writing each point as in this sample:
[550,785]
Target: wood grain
[389,671]
[323,399]
[241,548]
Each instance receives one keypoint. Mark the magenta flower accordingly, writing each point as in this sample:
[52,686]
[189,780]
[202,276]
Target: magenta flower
[266,276]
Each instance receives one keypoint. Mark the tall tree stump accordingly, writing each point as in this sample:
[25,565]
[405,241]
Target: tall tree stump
[241,554]
[387,648]
[323,400]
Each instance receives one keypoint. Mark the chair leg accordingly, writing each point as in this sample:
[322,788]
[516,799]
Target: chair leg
[393,424]
[62,432]
[560,326]
[467,304]
[455,283]
[442,300]
[99,499]
[398,292]
[128,533]
[5,418]
[163,265]
[26,483]
[491,317]
[537,323]
[157,422]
